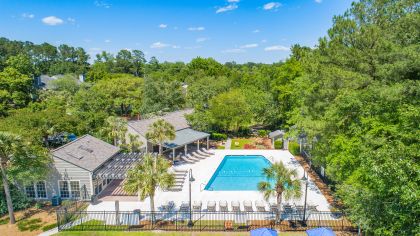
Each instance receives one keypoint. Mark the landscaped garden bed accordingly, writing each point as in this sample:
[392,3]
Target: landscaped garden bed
[251,143]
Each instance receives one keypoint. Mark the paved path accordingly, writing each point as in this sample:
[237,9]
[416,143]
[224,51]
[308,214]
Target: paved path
[228,143]
[49,232]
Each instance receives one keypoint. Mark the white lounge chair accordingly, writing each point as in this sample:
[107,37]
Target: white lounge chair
[248,206]
[260,206]
[196,155]
[273,206]
[197,205]
[184,206]
[207,151]
[192,158]
[211,206]
[167,206]
[187,160]
[223,206]
[203,153]
[236,206]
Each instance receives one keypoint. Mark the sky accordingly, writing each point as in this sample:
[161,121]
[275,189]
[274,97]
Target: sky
[174,30]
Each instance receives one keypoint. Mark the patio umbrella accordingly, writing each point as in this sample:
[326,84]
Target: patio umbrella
[263,232]
[320,232]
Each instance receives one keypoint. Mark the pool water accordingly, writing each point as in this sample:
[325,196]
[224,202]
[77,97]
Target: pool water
[238,173]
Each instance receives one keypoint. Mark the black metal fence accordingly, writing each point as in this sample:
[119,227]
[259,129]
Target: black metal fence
[198,221]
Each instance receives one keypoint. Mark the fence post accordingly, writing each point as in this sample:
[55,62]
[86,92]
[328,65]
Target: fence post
[58,220]
[176,220]
[105,220]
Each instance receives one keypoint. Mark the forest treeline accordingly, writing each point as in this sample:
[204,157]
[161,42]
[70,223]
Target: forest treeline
[355,96]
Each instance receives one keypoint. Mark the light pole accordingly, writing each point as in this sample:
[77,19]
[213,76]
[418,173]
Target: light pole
[306,180]
[190,179]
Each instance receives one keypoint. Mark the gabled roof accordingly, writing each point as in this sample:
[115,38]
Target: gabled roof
[185,136]
[86,152]
[276,133]
[177,119]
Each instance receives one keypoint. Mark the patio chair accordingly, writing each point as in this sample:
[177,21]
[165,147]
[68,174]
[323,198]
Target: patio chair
[248,206]
[192,158]
[184,206]
[167,205]
[207,151]
[187,160]
[196,155]
[260,206]
[211,206]
[236,206]
[223,206]
[312,208]
[203,153]
[287,209]
[197,205]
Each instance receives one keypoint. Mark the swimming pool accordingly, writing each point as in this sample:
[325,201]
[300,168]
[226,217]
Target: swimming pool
[238,173]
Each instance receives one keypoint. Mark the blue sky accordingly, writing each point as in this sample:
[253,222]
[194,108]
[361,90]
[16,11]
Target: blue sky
[174,30]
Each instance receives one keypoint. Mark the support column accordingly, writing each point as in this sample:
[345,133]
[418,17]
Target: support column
[207,142]
[173,154]
[185,149]
[198,144]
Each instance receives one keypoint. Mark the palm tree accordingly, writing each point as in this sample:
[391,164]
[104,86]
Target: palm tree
[20,161]
[115,129]
[147,176]
[134,143]
[159,132]
[280,181]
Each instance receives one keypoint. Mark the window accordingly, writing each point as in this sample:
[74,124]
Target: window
[30,191]
[64,189]
[75,189]
[41,190]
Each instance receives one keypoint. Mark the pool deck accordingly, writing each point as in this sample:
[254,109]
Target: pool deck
[202,172]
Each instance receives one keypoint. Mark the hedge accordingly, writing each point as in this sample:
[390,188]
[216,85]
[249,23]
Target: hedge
[294,148]
[218,136]
[19,199]
[278,144]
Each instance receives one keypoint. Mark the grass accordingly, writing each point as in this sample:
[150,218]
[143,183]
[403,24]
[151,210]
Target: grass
[220,147]
[48,227]
[29,225]
[241,143]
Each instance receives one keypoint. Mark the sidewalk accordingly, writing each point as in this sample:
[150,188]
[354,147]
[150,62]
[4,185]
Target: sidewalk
[228,143]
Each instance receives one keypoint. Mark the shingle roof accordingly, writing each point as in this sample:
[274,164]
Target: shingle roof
[177,119]
[185,136]
[276,133]
[86,152]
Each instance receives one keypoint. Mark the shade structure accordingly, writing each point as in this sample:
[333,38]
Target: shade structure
[320,232]
[263,232]
[185,136]
[117,166]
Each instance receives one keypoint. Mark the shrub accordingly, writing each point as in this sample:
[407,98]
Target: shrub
[20,201]
[29,225]
[48,227]
[263,133]
[294,148]
[278,144]
[218,136]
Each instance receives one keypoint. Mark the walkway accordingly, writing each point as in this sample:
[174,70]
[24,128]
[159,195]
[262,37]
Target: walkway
[228,143]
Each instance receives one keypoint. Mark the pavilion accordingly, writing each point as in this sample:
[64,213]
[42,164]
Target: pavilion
[184,134]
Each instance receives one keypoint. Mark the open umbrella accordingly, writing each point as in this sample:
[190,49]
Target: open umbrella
[320,232]
[263,232]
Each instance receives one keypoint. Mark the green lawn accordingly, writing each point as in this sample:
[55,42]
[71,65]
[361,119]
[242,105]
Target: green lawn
[241,143]
[148,233]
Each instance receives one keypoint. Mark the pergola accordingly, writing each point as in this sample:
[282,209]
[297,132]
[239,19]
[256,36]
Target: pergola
[184,137]
[117,166]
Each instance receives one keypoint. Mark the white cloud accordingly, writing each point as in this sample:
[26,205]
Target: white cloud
[200,28]
[271,5]
[163,26]
[251,45]
[229,7]
[234,50]
[52,20]
[159,45]
[199,40]
[231,1]
[95,49]
[264,41]
[176,46]
[102,4]
[318,1]
[256,31]
[28,15]
[276,48]
[71,20]
[193,47]
[107,41]
[87,40]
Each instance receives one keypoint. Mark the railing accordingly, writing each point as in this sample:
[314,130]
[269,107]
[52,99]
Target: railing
[202,220]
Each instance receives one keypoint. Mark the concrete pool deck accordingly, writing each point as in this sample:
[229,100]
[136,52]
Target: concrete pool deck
[202,172]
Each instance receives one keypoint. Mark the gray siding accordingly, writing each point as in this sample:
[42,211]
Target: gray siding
[62,170]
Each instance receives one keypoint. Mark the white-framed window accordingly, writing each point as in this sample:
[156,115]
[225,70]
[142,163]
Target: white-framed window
[41,189]
[36,190]
[69,188]
[30,191]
